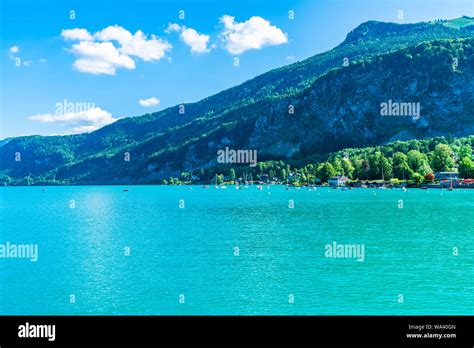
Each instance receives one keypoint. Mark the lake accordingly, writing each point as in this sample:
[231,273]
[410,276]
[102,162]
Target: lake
[186,250]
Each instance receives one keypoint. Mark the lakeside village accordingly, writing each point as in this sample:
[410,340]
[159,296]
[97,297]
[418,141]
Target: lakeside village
[414,164]
[440,180]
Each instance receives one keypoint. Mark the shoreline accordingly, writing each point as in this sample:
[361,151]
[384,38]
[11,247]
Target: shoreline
[225,185]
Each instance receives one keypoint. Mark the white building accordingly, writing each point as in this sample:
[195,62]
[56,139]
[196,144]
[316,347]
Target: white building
[339,180]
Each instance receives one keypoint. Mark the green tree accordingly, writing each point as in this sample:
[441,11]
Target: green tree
[387,168]
[303,177]
[401,169]
[337,165]
[347,167]
[380,166]
[271,174]
[418,178]
[466,168]
[232,175]
[5,180]
[363,169]
[465,151]
[326,171]
[283,175]
[442,160]
[418,162]
[185,176]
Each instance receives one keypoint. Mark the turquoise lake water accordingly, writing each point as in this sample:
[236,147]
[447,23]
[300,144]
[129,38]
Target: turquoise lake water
[279,267]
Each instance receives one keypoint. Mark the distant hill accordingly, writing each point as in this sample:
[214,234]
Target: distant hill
[301,110]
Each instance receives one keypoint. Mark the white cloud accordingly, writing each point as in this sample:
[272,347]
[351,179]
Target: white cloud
[100,58]
[86,120]
[146,49]
[173,27]
[112,48]
[153,101]
[114,33]
[137,45]
[76,34]
[13,52]
[14,49]
[254,33]
[14,55]
[197,42]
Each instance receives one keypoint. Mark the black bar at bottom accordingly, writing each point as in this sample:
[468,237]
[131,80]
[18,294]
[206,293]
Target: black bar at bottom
[137,330]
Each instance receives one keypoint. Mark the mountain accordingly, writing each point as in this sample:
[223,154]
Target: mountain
[305,109]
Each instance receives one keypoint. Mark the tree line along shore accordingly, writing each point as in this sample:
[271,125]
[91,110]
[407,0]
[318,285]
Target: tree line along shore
[432,162]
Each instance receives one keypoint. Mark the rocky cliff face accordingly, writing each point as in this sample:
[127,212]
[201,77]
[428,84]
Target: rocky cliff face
[344,108]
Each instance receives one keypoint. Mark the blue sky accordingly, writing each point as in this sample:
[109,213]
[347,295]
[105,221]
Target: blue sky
[109,64]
